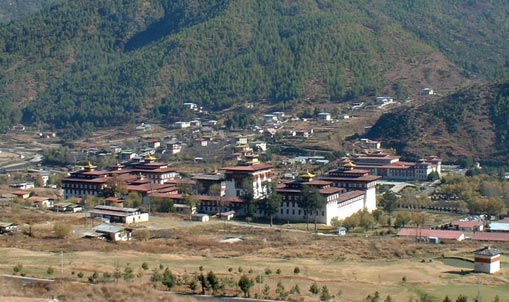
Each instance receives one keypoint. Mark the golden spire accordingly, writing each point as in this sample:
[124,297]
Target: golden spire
[89,166]
[150,158]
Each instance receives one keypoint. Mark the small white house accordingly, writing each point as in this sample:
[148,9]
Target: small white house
[324,116]
[384,100]
[182,125]
[487,260]
[174,148]
[200,217]
[113,232]
[427,91]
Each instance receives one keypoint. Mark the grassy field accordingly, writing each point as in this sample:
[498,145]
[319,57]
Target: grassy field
[352,267]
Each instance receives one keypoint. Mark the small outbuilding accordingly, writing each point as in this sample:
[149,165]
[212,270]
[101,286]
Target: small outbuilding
[7,227]
[113,232]
[200,217]
[487,260]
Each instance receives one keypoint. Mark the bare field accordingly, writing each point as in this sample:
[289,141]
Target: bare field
[352,267]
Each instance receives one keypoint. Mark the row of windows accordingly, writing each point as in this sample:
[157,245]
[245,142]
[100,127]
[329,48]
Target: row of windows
[81,192]
[299,212]
[79,186]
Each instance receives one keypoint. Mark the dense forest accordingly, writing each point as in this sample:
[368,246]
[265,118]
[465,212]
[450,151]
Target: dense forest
[85,64]
[471,123]
[13,9]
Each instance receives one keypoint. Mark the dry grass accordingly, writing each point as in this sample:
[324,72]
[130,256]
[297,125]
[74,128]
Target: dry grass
[355,264]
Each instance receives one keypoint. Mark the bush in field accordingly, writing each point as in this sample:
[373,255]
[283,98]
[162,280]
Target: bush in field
[325,296]
[17,268]
[314,289]
[50,271]
[62,230]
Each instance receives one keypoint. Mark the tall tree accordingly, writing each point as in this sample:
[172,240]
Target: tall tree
[245,285]
[247,196]
[272,203]
[311,202]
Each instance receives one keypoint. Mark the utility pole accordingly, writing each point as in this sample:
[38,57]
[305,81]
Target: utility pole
[62,264]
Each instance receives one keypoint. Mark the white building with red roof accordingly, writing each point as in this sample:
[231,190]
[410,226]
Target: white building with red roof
[350,178]
[390,167]
[259,175]
[340,203]
[142,176]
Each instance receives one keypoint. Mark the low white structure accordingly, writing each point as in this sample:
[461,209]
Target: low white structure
[7,227]
[324,116]
[200,217]
[117,214]
[113,232]
[487,260]
[384,100]
[427,91]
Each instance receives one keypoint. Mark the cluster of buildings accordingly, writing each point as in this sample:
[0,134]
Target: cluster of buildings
[346,189]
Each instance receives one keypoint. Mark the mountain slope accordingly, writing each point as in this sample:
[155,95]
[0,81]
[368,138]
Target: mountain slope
[85,64]
[471,123]
[13,9]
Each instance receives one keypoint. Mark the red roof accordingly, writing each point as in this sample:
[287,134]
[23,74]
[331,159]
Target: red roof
[467,224]
[365,178]
[442,234]
[252,168]
[38,199]
[20,193]
[350,195]
[85,180]
[491,236]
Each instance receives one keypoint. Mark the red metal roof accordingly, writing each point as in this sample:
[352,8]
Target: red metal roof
[467,224]
[252,168]
[491,236]
[442,234]
[350,195]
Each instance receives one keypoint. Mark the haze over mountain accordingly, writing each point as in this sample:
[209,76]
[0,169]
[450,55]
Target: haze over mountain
[83,64]
[13,9]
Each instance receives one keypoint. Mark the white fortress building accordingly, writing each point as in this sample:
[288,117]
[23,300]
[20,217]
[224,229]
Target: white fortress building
[259,175]
[346,190]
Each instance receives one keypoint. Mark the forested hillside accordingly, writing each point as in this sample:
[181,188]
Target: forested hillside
[13,9]
[83,64]
[472,123]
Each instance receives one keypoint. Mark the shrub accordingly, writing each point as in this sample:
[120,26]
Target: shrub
[80,275]
[50,271]
[17,268]
[278,271]
[314,289]
[62,230]
[296,270]
[268,271]
[144,266]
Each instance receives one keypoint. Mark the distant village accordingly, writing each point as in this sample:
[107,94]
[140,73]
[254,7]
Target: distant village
[238,190]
